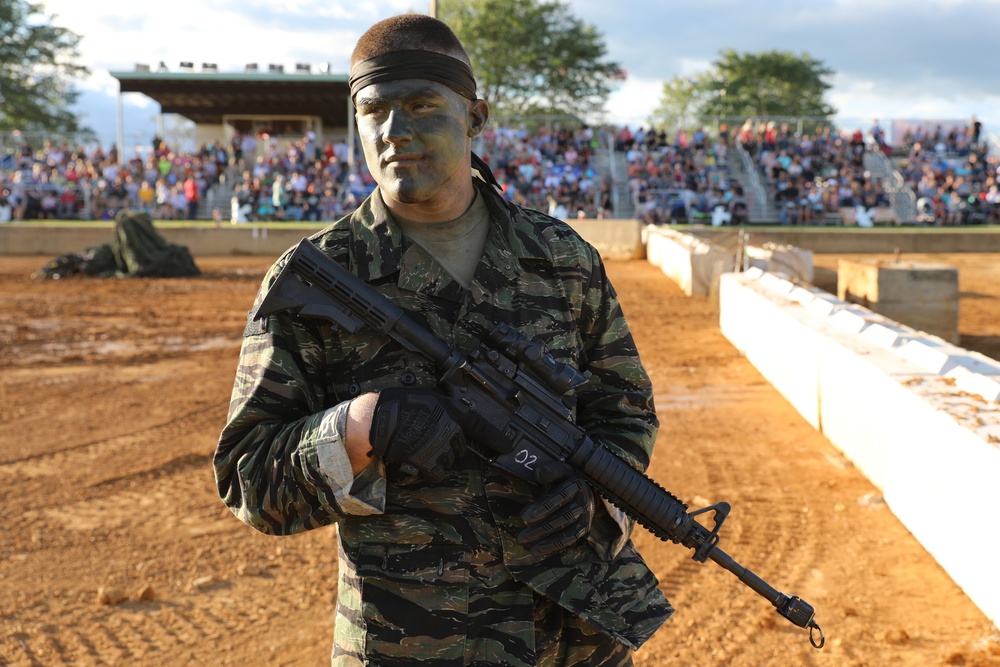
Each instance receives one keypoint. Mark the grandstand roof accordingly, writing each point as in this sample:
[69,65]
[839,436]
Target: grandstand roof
[205,97]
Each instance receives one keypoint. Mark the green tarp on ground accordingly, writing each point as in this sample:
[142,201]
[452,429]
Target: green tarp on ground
[136,250]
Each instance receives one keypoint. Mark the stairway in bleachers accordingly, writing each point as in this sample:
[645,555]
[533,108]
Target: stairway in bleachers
[762,207]
[624,209]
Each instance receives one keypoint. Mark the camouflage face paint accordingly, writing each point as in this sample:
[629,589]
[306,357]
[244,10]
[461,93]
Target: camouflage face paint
[416,140]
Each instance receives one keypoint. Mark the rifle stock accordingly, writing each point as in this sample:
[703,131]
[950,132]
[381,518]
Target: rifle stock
[513,392]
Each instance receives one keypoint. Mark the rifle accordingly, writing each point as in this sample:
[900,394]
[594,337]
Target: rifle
[514,390]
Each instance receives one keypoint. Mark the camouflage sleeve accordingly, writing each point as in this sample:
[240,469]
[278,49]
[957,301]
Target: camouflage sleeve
[279,463]
[616,405]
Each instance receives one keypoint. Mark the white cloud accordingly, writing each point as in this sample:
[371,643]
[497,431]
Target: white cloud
[633,103]
[692,66]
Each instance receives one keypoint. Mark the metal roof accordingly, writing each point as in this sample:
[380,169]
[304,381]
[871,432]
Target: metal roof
[205,97]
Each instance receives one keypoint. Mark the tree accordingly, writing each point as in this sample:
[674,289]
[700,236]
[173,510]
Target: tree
[752,85]
[681,104]
[37,69]
[533,56]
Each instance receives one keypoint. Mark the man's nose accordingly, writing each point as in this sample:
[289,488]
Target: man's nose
[398,127]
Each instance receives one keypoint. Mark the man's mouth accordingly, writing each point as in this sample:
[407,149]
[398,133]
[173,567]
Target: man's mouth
[403,159]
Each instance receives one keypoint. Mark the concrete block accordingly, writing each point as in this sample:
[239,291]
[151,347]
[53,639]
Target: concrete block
[986,387]
[928,282]
[858,432]
[921,295]
[695,263]
[918,416]
[777,283]
[936,318]
[822,305]
[929,355]
[802,295]
[797,263]
[771,341]
[977,363]
[852,320]
[935,470]
[618,239]
[887,333]
[689,261]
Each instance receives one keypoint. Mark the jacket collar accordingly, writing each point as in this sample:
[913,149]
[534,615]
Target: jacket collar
[378,248]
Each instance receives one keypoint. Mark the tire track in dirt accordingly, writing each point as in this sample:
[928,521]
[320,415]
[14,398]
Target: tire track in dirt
[192,609]
[719,473]
[149,513]
[79,457]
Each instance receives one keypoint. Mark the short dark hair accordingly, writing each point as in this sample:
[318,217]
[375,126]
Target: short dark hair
[408,32]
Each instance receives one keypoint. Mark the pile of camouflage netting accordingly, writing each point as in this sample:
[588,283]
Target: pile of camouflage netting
[135,250]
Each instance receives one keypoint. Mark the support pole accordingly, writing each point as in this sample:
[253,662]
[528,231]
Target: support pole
[121,128]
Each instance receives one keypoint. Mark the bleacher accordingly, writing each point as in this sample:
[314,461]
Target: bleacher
[763,173]
[951,171]
[861,180]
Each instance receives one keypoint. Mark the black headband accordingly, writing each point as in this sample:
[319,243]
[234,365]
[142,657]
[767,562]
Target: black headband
[415,64]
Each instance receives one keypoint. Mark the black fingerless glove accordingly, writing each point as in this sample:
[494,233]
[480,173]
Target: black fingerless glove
[415,429]
[562,516]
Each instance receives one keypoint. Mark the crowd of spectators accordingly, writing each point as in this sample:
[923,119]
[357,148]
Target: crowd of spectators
[812,175]
[952,175]
[58,181]
[551,167]
[681,178]
[298,181]
[304,181]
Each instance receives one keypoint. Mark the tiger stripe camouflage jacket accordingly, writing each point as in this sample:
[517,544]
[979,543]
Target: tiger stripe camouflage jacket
[434,569]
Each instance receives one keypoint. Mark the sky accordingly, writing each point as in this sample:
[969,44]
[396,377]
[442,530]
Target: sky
[893,59]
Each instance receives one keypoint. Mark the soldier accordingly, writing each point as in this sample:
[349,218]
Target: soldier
[443,558]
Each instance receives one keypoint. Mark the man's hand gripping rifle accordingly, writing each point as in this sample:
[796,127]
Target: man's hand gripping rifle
[513,391]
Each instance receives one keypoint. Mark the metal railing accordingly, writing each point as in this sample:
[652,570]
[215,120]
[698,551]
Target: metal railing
[756,190]
[992,145]
[902,199]
[613,172]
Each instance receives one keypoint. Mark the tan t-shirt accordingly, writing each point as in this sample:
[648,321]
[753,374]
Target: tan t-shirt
[457,244]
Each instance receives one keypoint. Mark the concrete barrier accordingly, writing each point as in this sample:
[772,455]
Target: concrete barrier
[781,258]
[691,262]
[871,240]
[916,414]
[614,239]
[696,263]
[919,294]
[200,241]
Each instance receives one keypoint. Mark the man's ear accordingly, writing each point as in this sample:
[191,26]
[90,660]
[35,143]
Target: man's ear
[479,114]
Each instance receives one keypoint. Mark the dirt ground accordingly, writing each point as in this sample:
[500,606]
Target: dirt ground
[115,549]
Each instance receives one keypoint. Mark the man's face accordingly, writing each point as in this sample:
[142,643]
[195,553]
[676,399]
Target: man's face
[415,134]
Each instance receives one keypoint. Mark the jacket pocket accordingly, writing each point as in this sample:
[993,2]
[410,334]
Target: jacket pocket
[414,603]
